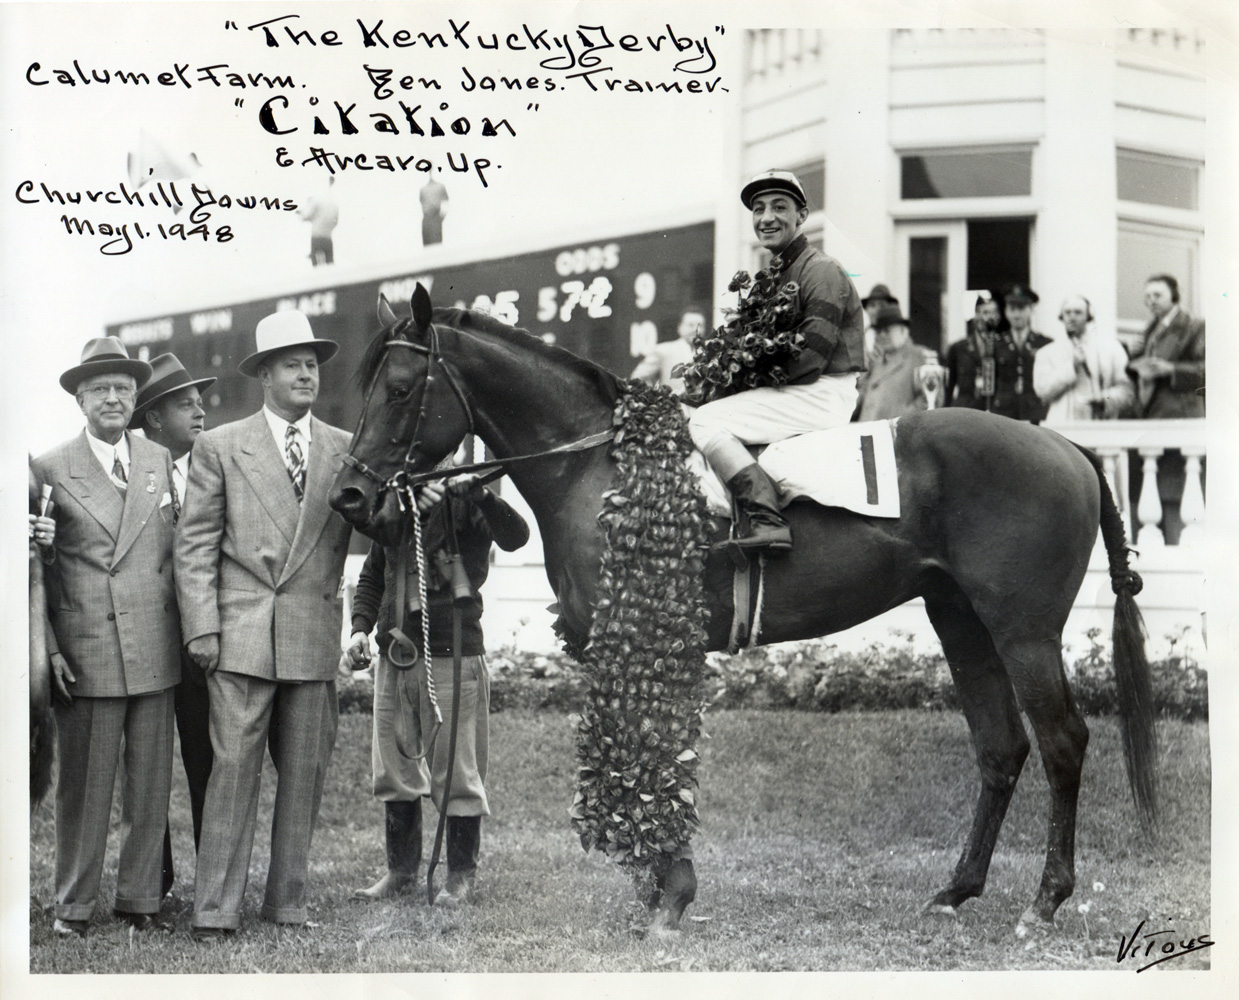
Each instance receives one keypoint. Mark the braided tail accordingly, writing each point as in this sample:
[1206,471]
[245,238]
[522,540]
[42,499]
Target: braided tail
[1132,676]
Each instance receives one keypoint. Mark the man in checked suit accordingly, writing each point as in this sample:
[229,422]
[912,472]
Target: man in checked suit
[114,641]
[259,557]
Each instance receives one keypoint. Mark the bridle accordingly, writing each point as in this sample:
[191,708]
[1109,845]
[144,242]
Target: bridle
[404,480]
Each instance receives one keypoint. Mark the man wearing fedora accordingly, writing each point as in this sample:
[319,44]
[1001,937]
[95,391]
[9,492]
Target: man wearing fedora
[114,642]
[821,390]
[1014,351]
[872,303]
[259,557]
[169,412]
[895,385]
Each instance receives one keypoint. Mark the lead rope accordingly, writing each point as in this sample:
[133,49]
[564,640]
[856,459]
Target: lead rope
[420,556]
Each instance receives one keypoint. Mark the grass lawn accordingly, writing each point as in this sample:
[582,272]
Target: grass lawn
[822,837]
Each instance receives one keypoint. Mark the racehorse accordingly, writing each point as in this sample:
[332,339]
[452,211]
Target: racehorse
[998,522]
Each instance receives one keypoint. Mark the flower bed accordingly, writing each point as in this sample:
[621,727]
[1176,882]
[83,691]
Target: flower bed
[818,677]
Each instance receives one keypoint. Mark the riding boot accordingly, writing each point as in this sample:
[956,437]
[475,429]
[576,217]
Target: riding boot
[754,492]
[464,841]
[404,851]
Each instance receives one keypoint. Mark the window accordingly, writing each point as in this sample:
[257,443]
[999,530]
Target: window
[966,174]
[1158,180]
[1145,250]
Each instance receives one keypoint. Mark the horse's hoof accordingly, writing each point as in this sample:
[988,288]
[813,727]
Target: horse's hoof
[1031,920]
[941,910]
[665,921]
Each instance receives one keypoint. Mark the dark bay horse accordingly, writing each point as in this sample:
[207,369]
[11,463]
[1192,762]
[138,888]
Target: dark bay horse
[998,522]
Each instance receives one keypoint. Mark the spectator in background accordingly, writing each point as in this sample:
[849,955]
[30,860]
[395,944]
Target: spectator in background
[1083,375]
[656,366]
[878,296]
[1171,365]
[895,385]
[322,213]
[1014,349]
[433,198]
[970,362]
[1169,369]
[169,412]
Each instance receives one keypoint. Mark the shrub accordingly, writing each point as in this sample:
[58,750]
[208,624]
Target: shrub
[817,676]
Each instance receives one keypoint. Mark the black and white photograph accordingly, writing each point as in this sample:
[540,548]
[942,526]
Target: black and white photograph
[723,491]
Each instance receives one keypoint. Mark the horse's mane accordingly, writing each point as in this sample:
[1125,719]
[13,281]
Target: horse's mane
[472,320]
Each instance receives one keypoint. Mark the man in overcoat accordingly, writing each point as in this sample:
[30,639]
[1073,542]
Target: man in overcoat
[169,412]
[894,386]
[259,557]
[114,641]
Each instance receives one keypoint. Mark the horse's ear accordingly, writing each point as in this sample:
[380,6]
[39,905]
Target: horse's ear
[387,316]
[421,308]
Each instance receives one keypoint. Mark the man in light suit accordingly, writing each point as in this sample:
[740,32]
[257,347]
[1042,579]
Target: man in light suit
[169,412]
[259,557]
[656,367]
[114,641]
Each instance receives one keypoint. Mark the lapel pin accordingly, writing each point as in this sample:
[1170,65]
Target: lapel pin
[150,483]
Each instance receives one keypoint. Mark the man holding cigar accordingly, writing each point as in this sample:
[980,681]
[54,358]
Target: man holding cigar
[114,641]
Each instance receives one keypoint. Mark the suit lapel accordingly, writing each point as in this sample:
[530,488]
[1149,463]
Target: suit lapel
[93,488]
[321,468]
[263,465]
[141,496]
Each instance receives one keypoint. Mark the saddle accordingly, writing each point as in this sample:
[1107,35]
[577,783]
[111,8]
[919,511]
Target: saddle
[851,466]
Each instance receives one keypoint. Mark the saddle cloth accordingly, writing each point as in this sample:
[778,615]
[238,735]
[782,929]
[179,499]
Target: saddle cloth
[852,466]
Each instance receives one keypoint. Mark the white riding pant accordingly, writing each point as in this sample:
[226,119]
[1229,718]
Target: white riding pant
[768,414]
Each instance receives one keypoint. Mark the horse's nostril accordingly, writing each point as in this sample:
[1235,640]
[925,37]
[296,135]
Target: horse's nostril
[348,500]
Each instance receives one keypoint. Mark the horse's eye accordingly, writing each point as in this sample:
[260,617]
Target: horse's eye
[396,393]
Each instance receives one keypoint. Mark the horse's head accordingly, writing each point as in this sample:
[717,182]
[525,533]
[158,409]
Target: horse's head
[414,413]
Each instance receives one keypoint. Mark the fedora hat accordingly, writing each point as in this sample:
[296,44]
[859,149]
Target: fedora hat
[773,180]
[879,293]
[889,315]
[100,357]
[167,376]
[281,330]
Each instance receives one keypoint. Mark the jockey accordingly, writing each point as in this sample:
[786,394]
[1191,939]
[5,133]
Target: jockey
[821,390]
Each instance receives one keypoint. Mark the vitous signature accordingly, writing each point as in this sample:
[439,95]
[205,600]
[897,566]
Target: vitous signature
[1164,944]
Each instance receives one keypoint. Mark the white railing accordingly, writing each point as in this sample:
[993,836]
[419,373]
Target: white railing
[1148,441]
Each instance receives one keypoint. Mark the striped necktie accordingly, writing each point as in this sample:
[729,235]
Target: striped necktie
[118,473]
[295,461]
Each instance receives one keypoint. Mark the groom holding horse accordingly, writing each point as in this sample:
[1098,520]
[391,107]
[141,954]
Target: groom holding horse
[821,390]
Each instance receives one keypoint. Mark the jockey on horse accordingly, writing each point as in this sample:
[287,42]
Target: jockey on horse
[821,390]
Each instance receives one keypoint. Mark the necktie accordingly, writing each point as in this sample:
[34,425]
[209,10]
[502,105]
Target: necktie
[295,461]
[118,472]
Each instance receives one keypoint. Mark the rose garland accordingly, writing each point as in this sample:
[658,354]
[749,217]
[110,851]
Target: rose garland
[644,658]
[753,348]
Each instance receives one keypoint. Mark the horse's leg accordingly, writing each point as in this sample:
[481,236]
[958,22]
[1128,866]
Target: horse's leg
[998,736]
[675,887]
[1036,667]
